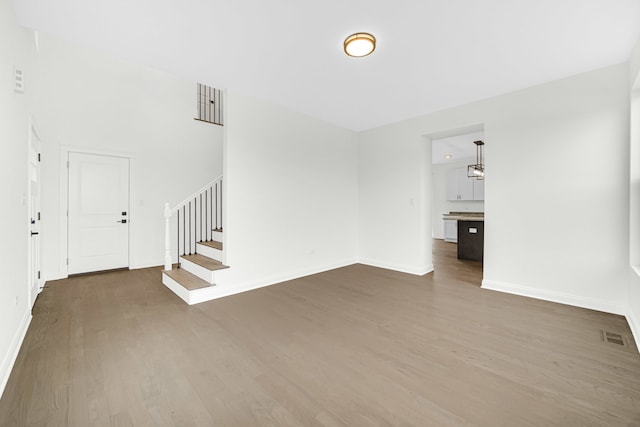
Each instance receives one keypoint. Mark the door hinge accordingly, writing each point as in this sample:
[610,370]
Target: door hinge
[38,274]
[67,261]
[39,158]
[67,164]
[38,216]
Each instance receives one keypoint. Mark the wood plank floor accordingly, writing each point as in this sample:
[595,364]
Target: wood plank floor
[356,346]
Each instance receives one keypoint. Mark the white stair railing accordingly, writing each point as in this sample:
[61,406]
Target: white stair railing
[197,217]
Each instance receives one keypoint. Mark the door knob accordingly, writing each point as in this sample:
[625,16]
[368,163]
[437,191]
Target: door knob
[124,221]
[34,233]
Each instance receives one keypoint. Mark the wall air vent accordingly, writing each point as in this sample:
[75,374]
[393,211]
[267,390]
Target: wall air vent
[18,78]
[209,103]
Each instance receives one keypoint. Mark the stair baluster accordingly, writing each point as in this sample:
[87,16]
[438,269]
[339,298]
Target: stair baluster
[216,207]
[206,215]
[201,215]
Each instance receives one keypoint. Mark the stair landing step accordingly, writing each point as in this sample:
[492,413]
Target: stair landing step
[187,280]
[206,262]
[212,244]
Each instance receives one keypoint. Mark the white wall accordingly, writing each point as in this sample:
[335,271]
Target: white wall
[440,203]
[90,101]
[633,316]
[395,214]
[16,49]
[559,234]
[291,194]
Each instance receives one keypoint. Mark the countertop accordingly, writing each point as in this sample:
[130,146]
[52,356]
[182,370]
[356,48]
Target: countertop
[464,216]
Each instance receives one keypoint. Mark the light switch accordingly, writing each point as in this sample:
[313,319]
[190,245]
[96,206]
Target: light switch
[473,230]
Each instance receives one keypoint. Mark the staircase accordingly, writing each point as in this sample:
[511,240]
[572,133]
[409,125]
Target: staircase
[198,244]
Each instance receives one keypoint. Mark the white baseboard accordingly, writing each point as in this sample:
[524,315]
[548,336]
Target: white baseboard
[9,358]
[634,325]
[221,289]
[148,265]
[559,297]
[418,271]
[48,277]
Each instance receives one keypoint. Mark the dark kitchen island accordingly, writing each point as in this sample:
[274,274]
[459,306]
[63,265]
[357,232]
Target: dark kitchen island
[470,234]
[471,240]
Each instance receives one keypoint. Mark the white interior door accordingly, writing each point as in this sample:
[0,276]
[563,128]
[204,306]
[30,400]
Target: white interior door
[34,215]
[98,212]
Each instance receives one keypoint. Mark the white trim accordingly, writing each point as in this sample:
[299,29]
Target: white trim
[209,252]
[634,325]
[10,357]
[64,201]
[418,271]
[31,262]
[177,288]
[632,318]
[198,270]
[559,297]
[148,264]
[97,151]
[219,291]
[63,192]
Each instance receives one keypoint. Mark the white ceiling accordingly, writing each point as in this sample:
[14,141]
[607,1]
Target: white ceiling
[459,147]
[431,54]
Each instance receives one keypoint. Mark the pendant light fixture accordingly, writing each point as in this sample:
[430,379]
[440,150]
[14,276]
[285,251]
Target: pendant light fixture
[359,44]
[477,171]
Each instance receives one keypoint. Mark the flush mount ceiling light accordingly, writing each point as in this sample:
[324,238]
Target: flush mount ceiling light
[359,44]
[477,171]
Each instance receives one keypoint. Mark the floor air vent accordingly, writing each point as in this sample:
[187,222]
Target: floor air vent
[613,338]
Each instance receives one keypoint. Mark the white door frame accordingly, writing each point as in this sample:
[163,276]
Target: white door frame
[428,140]
[34,140]
[64,200]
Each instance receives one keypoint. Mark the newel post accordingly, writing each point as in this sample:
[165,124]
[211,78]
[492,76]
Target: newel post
[167,238]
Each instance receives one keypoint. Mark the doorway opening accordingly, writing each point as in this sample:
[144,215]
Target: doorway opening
[457,204]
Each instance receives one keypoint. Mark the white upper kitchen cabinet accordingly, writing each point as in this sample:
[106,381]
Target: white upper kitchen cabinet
[478,189]
[459,186]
